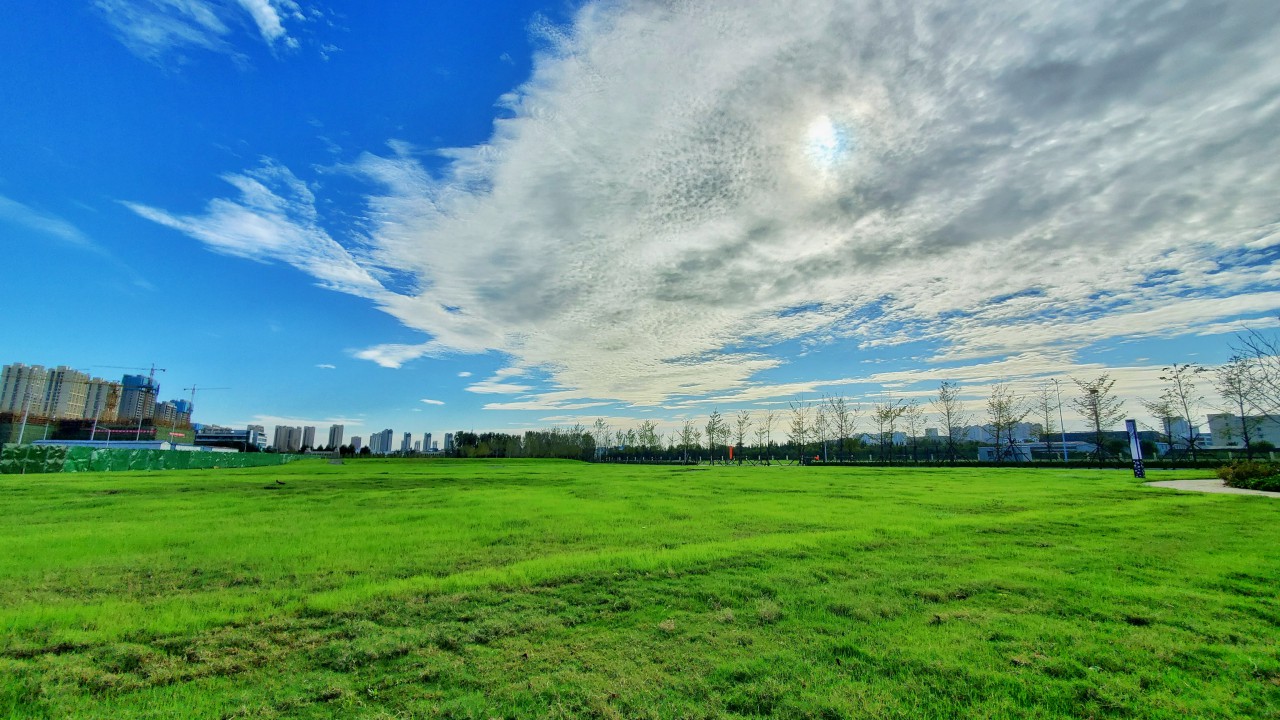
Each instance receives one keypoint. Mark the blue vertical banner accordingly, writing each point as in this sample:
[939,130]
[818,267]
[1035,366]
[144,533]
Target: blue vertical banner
[1135,449]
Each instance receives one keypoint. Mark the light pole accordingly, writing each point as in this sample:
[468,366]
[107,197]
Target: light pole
[26,410]
[1062,426]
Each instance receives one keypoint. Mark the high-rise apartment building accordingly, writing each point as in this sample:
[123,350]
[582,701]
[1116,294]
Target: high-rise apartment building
[448,442]
[357,442]
[138,399]
[426,442]
[172,412]
[406,443]
[101,400]
[309,437]
[22,388]
[335,436]
[64,393]
[380,443]
[60,392]
[288,439]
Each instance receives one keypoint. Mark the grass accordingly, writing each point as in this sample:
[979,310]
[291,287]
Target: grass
[383,589]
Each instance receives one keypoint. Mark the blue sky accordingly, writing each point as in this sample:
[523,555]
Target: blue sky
[533,214]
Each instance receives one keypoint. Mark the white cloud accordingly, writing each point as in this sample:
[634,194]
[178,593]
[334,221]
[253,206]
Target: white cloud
[327,366]
[157,29]
[464,374]
[273,219]
[676,190]
[428,401]
[491,387]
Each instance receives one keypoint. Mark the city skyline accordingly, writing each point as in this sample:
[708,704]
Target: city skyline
[533,215]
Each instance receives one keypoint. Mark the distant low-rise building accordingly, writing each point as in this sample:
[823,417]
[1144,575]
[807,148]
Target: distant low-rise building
[215,436]
[1228,430]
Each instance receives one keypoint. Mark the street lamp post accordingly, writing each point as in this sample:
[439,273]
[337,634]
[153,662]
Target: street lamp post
[1062,426]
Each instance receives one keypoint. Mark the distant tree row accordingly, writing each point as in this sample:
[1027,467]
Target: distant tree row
[894,429]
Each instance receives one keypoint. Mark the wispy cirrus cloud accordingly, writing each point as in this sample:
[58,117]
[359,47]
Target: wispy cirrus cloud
[157,29]
[45,223]
[49,225]
[429,401]
[991,179]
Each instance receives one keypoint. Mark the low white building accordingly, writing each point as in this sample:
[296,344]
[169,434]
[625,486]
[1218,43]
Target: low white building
[1227,429]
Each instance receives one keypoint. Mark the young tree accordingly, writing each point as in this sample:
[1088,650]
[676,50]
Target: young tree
[647,436]
[844,421]
[800,428]
[885,415]
[914,418]
[1162,410]
[951,414]
[821,427]
[1262,360]
[601,433]
[764,433]
[1045,408]
[1182,394]
[1100,408]
[1235,383]
[1005,409]
[717,432]
[743,424]
[690,438]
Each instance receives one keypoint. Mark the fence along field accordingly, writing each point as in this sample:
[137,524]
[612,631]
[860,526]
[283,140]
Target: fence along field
[562,589]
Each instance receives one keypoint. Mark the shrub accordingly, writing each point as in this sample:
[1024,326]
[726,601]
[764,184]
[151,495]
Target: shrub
[1251,475]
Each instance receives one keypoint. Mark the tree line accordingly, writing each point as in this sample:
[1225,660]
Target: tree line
[838,428]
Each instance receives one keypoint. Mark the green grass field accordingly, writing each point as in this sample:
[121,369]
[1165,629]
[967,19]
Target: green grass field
[389,589]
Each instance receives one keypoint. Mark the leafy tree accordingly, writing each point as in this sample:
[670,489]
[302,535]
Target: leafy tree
[647,436]
[366,451]
[1099,406]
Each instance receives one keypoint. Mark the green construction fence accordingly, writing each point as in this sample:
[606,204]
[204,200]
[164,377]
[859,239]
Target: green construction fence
[21,459]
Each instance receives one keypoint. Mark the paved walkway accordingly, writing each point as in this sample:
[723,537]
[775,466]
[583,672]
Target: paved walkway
[1209,486]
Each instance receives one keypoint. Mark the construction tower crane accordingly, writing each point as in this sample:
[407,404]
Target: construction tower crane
[151,383]
[193,389]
